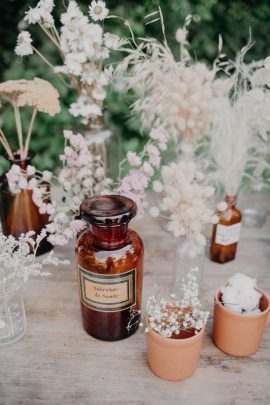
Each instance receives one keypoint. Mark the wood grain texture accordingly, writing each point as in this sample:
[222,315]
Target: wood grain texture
[58,363]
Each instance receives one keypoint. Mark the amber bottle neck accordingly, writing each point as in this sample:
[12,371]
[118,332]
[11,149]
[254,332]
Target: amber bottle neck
[109,237]
[231,200]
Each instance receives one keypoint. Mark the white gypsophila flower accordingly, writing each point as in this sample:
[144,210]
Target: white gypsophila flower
[18,260]
[170,316]
[24,46]
[98,10]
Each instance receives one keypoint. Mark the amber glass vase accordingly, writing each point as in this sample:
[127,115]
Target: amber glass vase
[18,212]
[226,233]
[110,268]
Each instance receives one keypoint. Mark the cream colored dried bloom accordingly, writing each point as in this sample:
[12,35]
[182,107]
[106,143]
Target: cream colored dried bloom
[37,93]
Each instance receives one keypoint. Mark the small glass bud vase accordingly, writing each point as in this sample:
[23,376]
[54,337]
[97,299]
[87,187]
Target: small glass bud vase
[185,260]
[12,316]
[105,143]
[226,233]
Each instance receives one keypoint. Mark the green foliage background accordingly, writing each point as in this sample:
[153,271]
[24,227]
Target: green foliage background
[231,18]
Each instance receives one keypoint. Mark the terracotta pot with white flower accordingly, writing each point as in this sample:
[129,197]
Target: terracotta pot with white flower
[175,330]
[240,315]
[19,213]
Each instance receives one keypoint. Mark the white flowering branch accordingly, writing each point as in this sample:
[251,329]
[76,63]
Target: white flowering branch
[82,47]
[18,260]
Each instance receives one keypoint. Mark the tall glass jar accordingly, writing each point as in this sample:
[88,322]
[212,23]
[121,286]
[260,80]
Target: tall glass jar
[184,262]
[226,233]
[12,315]
[106,143]
[19,214]
[110,268]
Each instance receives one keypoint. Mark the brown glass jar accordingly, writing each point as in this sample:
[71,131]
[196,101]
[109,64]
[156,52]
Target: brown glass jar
[19,214]
[226,233]
[110,268]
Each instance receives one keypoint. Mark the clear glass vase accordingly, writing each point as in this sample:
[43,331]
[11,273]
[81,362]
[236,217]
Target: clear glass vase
[184,262]
[106,143]
[255,208]
[12,317]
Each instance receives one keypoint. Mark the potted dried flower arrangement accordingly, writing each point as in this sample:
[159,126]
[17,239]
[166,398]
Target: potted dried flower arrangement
[240,315]
[18,212]
[174,330]
[17,264]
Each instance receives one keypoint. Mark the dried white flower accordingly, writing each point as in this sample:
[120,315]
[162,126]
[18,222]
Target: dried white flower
[24,46]
[98,10]
[181,36]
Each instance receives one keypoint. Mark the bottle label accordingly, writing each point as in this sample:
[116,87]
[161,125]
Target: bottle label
[227,235]
[107,293]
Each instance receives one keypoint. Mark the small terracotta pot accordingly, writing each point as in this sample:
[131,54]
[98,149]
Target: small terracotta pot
[173,359]
[237,334]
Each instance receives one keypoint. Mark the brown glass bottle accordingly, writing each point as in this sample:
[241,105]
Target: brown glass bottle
[19,214]
[110,267]
[226,233]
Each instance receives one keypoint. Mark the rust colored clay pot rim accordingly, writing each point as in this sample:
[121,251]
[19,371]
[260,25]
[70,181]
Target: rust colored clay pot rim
[242,316]
[175,342]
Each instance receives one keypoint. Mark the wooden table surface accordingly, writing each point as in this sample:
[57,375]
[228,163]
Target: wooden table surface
[58,363]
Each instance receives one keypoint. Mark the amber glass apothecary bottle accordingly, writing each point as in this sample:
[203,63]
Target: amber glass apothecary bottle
[110,268]
[226,233]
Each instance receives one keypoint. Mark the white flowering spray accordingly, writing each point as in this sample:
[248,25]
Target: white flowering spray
[186,202]
[239,135]
[18,260]
[82,46]
[175,94]
[241,295]
[170,317]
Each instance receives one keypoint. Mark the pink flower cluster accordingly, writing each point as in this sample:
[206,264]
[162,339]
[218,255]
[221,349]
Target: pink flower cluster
[144,165]
[32,179]
[62,229]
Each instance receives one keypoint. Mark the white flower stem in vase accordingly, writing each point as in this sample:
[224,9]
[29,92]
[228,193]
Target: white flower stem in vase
[184,262]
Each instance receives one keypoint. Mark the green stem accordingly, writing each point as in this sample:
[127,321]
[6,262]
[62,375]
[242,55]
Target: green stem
[45,60]
[29,133]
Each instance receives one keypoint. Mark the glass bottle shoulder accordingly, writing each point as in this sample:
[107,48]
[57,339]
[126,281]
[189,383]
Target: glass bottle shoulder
[101,259]
[231,216]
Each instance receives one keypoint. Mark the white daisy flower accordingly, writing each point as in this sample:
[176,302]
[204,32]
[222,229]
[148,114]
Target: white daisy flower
[24,46]
[98,10]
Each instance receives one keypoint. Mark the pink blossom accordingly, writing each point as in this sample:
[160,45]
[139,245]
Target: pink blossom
[22,183]
[46,175]
[154,155]
[148,169]
[67,134]
[30,170]
[77,225]
[32,183]
[133,159]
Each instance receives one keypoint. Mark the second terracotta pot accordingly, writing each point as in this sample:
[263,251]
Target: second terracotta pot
[173,359]
[238,334]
